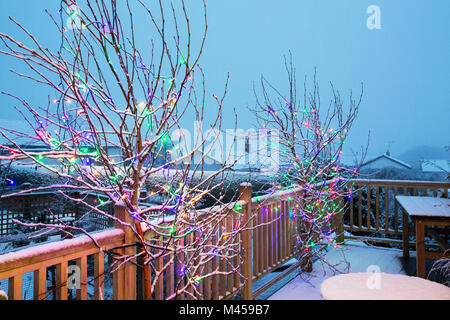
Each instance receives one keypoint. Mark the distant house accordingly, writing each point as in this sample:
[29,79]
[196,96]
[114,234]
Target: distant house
[206,162]
[26,148]
[435,166]
[384,161]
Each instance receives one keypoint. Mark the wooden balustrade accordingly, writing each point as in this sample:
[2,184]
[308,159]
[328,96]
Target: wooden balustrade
[272,237]
[60,255]
[37,259]
[382,194]
[266,243]
[261,250]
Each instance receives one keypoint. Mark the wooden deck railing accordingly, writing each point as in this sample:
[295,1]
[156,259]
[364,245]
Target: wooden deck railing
[59,254]
[272,240]
[373,214]
[216,287]
[264,245]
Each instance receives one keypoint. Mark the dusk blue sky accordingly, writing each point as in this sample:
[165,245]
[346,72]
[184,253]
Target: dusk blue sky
[404,65]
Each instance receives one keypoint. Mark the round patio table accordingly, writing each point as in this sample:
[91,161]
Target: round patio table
[382,286]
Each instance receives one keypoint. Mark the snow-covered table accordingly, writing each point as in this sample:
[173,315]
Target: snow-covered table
[381,286]
[424,211]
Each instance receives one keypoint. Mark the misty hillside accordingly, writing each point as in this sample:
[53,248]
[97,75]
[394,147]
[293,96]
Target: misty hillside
[413,155]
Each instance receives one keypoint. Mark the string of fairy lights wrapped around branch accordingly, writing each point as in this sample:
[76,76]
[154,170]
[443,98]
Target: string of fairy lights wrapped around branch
[105,130]
[310,148]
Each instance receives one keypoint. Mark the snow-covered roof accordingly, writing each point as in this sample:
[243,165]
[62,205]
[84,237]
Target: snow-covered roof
[207,157]
[385,156]
[435,166]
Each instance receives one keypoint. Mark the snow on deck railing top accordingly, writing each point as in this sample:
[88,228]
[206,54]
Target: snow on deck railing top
[284,193]
[49,254]
[412,183]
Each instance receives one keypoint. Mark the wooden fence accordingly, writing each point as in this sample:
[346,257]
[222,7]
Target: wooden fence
[60,254]
[373,214]
[266,243]
[27,206]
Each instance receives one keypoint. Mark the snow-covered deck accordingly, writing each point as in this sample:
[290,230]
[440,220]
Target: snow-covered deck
[358,255]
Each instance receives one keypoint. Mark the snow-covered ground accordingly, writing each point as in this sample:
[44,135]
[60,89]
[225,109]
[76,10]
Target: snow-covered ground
[360,256]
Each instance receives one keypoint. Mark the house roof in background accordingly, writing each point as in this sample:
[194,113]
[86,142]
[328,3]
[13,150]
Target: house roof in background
[435,166]
[207,156]
[404,164]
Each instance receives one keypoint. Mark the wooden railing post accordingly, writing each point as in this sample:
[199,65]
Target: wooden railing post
[405,234]
[247,254]
[15,288]
[125,280]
